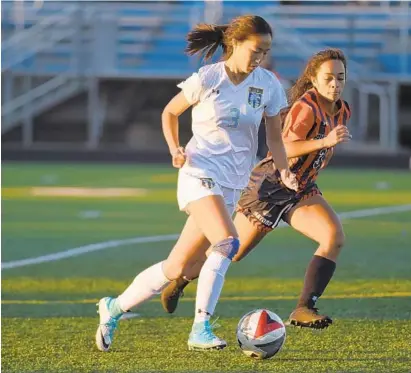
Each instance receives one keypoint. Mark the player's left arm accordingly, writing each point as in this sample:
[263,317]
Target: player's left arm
[277,100]
[275,142]
[276,147]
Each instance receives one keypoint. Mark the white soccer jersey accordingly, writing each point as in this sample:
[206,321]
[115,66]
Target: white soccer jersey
[225,122]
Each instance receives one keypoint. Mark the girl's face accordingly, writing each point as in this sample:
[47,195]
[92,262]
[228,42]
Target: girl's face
[249,53]
[330,80]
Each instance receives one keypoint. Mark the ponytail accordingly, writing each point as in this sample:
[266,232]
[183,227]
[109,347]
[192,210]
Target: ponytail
[205,39]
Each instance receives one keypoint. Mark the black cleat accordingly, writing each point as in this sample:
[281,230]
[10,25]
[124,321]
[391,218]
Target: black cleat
[305,317]
[172,293]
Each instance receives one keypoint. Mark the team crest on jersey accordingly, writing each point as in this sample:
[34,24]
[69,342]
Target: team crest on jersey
[207,182]
[255,97]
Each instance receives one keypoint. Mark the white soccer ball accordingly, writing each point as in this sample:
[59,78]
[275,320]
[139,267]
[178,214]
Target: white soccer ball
[261,334]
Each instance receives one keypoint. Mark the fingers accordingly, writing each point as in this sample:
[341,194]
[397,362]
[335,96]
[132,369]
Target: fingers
[342,134]
[179,157]
[179,160]
[289,180]
[294,184]
[342,130]
[344,137]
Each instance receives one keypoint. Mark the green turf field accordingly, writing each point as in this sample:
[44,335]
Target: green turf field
[48,312]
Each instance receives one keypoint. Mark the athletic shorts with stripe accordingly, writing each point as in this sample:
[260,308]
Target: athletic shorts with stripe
[266,201]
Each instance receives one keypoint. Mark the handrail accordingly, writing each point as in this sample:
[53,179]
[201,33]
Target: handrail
[27,42]
[39,91]
[38,27]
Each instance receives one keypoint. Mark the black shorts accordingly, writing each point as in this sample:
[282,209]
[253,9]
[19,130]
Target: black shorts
[267,203]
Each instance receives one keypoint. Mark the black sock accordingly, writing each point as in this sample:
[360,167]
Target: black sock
[182,282]
[318,275]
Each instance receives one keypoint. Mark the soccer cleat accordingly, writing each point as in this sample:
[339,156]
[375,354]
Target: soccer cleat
[202,338]
[108,324]
[172,293]
[308,318]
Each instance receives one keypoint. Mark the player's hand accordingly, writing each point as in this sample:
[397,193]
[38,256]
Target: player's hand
[337,135]
[289,179]
[178,157]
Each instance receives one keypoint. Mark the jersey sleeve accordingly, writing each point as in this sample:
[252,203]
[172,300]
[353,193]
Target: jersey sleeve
[192,88]
[277,101]
[298,122]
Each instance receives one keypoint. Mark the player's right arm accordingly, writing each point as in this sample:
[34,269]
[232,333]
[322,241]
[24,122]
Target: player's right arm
[191,90]
[169,118]
[298,123]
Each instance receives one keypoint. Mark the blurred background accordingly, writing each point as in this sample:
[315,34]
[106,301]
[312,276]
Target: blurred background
[89,79]
[84,84]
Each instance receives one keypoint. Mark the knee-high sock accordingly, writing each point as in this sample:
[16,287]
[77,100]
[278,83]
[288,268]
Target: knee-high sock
[318,275]
[146,284]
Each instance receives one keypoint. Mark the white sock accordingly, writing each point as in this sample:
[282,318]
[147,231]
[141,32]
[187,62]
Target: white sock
[209,286]
[147,283]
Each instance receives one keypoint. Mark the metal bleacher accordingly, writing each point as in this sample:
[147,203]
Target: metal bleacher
[139,38]
[68,44]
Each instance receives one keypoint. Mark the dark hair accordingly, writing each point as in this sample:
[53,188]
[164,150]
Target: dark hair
[303,83]
[205,39]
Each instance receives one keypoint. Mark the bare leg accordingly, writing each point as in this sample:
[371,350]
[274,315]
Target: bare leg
[325,228]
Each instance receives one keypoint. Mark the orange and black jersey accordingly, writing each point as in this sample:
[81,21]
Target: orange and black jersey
[265,200]
[306,120]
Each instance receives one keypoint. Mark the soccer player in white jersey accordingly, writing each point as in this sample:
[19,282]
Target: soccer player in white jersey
[229,99]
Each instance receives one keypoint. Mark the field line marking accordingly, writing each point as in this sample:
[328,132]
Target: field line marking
[85,250]
[170,237]
[398,294]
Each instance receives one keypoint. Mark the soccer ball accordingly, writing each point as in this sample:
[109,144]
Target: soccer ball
[261,334]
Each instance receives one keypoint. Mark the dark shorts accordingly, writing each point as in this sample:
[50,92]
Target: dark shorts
[268,203]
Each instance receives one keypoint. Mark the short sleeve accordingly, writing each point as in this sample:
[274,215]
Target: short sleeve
[192,88]
[298,122]
[277,101]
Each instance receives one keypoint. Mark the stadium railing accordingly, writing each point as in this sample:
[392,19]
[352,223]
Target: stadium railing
[143,40]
